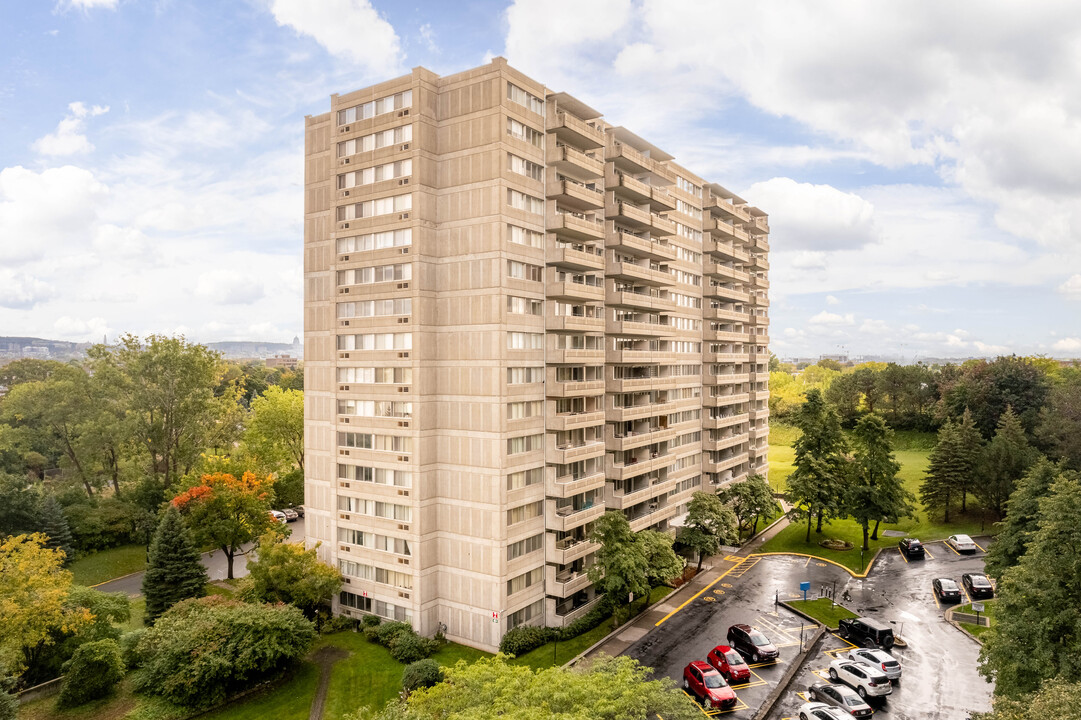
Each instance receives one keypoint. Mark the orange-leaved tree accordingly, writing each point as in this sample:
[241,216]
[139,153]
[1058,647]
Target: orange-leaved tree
[227,512]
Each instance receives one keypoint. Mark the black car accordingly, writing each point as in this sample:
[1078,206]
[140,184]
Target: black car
[946,590]
[977,585]
[864,629]
[751,643]
[911,547]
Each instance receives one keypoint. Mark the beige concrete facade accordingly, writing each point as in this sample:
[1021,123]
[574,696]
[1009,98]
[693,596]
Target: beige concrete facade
[516,317]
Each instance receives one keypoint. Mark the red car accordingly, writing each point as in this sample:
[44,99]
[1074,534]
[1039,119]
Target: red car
[707,685]
[729,663]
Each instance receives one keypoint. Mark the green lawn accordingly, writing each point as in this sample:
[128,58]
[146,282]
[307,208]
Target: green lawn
[912,450]
[108,564]
[823,610]
[988,612]
[138,613]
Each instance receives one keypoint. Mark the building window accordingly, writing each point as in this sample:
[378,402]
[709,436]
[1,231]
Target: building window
[376,241]
[374,441]
[525,512]
[375,408]
[521,201]
[520,96]
[533,611]
[520,583]
[521,131]
[376,574]
[525,341]
[524,375]
[374,208]
[381,106]
[375,475]
[367,176]
[376,341]
[398,546]
[522,236]
[524,547]
[524,271]
[523,409]
[376,376]
[375,308]
[524,478]
[375,141]
[524,306]
[525,443]
[688,187]
[524,167]
[377,274]
[375,508]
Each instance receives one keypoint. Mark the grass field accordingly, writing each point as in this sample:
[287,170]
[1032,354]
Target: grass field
[988,612]
[823,610]
[108,564]
[912,450]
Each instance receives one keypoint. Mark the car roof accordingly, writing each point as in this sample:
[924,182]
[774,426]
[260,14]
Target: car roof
[722,649]
[702,665]
[946,580]
[741,626]
[875,652]
[962,537]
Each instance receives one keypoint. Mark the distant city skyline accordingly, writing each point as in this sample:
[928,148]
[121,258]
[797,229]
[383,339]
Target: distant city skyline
[917,163]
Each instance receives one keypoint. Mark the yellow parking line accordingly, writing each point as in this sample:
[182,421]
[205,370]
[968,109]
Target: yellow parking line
[901,553]
[950,547]
[935,598]
[927,553]
[978,545]
[697,594]
[808,561]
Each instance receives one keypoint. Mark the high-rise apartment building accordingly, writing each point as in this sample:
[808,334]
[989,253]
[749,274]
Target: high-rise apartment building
[516,318]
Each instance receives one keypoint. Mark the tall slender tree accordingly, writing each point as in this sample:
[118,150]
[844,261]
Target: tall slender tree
[1007,458]
[54,525]
[816,486]
[876,493]
[953,468]
[709,524]
[175,570]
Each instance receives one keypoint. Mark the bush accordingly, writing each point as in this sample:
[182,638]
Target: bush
[384,634]
[201,650]
[421,674]
[408,647]
[9,705]
[91,673]
[129,643]
[587,622]
[520,640]
[98,524]
[337,623]
[370,621]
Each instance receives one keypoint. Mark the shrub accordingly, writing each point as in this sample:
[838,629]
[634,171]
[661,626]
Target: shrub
[587,622]
[9,706]
[98,524]
[421,674]
[337,623]
[408,647]
[91,673]
[370,621]
[129,643]
[520,640]
[384,634]
[203,649]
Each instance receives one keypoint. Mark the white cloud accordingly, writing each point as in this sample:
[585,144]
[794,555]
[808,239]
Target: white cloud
[428,36]
[47,212]
[814,217]
[94,328]
[86,5]
[69,137]
[21,291]
[828,318]
[831,300]
[349,29]
[1072,287]
[1070,344]
[229,287]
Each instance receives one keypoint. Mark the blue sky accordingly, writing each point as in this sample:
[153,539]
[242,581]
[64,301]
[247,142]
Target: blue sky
[919,162]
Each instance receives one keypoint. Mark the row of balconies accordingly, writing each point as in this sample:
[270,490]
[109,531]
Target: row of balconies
[723,231]
[570,129]
[646,298]
[630,160]
[645,245]
[627,186]
[726,272]
[577,256]
[725,208]
[577,164]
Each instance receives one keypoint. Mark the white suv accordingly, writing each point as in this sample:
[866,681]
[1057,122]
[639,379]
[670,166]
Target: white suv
[865,680]
[877,659]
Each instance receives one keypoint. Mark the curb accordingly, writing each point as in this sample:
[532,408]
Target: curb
[848,570]
[782,685]
[106,582]
[948,617]
[802,614]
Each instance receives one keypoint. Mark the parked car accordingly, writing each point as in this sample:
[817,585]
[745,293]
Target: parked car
[977,585]
[912,548]
[864,679]
[290,514]
[300,510]
[865,629]
[820,711]
[961,543]
[279,516]
[706,684]
[729,663]
[879,659]
[839,697]
[946,590]
[751,643]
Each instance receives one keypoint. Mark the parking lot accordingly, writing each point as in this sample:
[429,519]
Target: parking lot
[940,678]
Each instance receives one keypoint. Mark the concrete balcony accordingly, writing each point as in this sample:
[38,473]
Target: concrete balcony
[626,186]
[651,516]
[575,131]
[728,379]
[567,518]
[710,313]
[567,582]
[625,500]
[724,293]
[723,422]
[723,231]
[565,454]
[634,384]
[662,226]
[725,442]
[726,208]
[724,336]
[641,357]
[761,395]
[576,258]
[563,614]
[573,356]
[573,421]
[626,471]
[628,159]
[641,273]
[629,328]
[725,400]
[727,250]
[569,486]
[626,214]
[762,243]
[661,199]
[725,272]
[572,194]
[570,290]
[574,163]
[574,323]
[588,388]
[567,550]
[727,357]
[642,301]
[574,226]
[641,246]
[722,465]
[632,440]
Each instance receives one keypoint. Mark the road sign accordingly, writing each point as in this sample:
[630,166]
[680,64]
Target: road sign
[977,607]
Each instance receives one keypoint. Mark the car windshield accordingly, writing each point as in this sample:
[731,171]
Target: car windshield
[964,539]
[948,584]
[981,581]
[732,658]
[852,700]
[758,638]
[713,680]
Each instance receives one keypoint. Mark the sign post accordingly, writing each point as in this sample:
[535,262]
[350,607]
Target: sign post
[805,586]
[977,608]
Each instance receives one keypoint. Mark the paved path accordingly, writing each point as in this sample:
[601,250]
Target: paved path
[214,561]
[325,658]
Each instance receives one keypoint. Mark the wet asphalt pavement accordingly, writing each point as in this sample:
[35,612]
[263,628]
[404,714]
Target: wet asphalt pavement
[940,679]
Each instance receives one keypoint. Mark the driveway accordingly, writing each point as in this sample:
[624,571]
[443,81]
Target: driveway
[214,562]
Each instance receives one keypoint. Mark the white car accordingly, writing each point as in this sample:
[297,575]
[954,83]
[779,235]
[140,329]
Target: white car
[864,679]
[279,516]
[820,711]
[961,543]
[878,659]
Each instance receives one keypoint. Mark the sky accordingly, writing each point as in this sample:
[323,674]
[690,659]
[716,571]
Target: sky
[920,161]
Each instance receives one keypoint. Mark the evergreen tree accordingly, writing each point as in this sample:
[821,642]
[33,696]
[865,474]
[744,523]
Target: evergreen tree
[175,571]
[55,526]
[970,449]
[953,468]
[816,486]
[1022,516]
[1007,458]
[876,492]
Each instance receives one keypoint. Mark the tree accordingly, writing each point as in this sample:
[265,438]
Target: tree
[602,689]
[9,705]
[662,563]
[33,593]
[988,388]
[227,513]
[1022,516]
[876,492]
[844,395]
[276,426]
[1059,425]
[1006,459]
[174,569]
[954,466]
[421,674]
[286,572]
[750,499]
[816,485]
[620,566]
[868,385]
[21,503]
[27,370]
[91,673]
[203,649]
[1037,630]
[54,526]
[709,524]
[1056,698]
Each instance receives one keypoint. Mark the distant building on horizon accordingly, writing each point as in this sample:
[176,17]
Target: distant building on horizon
[282,361]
